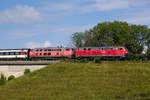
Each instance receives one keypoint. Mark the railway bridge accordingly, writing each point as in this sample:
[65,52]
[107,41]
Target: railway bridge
[17,68]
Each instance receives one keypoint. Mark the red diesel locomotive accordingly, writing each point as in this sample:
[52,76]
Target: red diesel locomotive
[51,53]
[102,52]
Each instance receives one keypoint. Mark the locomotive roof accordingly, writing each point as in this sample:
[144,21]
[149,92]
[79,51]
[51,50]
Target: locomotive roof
[103,47]
[53,48]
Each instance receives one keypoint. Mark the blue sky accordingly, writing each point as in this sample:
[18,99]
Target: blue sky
[42,23]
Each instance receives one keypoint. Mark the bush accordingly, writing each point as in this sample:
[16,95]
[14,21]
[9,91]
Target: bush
[2,79]
[11,77]
[97,60]
[27,71]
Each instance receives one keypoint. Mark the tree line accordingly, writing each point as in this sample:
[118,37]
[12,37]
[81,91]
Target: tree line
[136,38]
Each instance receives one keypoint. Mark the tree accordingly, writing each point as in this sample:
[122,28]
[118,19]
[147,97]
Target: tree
[77,39]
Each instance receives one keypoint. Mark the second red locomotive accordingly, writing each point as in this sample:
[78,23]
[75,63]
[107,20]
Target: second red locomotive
[51,53]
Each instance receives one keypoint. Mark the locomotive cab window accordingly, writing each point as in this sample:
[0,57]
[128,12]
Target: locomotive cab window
[120,48]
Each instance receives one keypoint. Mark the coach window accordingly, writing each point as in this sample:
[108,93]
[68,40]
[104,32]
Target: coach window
[37,50]
[40,49]
[45,53]
[11,53]
[1,53]
[84,49]
[49,49]
[40,53]
[49,53]
[6,53]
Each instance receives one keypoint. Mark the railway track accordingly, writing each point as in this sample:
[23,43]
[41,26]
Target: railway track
[27,62]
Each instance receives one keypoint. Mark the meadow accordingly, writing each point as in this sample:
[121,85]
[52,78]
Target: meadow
[82,81]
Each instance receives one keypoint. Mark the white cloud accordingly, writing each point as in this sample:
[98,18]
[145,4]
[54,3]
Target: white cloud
[37,45]
[86,6]
[20,14]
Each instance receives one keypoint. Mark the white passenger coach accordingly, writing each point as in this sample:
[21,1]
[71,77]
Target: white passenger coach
[13,53]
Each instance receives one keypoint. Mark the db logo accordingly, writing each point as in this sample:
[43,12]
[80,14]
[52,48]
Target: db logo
[103,51]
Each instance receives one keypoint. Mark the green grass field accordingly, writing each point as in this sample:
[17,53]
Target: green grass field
[82,81]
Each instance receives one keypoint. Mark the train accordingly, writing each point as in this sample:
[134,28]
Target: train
[52,53]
